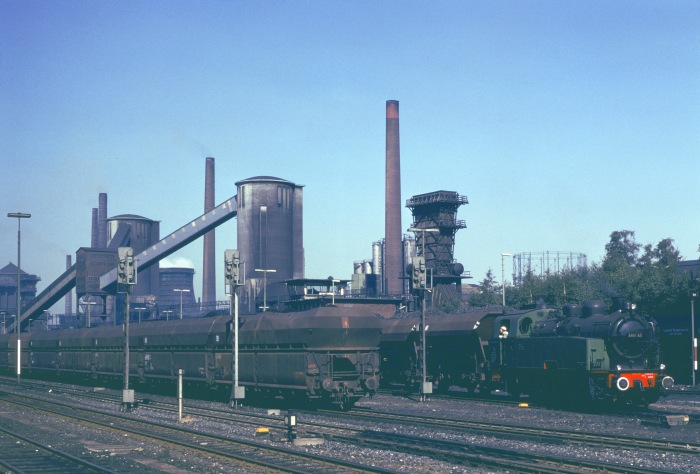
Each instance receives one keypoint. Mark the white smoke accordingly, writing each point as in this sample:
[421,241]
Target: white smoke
[176,262]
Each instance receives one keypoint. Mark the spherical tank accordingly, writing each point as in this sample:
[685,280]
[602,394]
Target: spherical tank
[269,236]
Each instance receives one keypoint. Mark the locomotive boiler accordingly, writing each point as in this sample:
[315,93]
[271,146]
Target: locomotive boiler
[327,355]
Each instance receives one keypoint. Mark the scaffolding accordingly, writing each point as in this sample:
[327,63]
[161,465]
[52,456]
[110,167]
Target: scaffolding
[545,263]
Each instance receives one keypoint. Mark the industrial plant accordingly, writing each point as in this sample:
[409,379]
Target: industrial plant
[270,242]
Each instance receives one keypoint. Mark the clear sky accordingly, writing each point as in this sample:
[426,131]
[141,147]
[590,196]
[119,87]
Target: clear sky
[560,121]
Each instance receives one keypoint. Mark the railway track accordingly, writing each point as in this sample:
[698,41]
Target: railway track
[21,454]
[458,453]
[257,455]
[559,436]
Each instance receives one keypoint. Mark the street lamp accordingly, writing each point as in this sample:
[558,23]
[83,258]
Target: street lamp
[693,339]
[264,272]
[423,231]
[503,275]
[167,314]
[89,303]
[19,216]
[4,320]
[332,292]
[181,292]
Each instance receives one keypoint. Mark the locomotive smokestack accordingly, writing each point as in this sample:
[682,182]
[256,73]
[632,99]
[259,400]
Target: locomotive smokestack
[102,222]
[392,213]
[209,266]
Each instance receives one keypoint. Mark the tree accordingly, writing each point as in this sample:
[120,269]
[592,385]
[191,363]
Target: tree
[489,294]
[621,250]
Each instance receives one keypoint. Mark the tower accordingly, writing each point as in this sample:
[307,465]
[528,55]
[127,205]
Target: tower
[392,212]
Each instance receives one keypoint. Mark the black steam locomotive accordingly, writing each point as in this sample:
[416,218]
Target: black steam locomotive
[582,355]
[327,355]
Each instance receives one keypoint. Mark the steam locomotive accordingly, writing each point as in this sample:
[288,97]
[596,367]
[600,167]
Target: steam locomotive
[327,355]
[581,355]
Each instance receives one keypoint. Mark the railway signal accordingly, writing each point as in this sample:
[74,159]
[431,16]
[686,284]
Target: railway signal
[232,277]
[126,268]
[126,275]
[232,266]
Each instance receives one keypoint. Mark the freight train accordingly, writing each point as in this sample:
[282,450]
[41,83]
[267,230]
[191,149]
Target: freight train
[582,355]
[327,355]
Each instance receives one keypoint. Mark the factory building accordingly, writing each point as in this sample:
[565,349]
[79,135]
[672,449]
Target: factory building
[139,233]
[8,290]
[270,238]
[172,283]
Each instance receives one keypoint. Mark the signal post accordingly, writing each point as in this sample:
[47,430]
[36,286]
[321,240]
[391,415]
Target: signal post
[233,281]
[126,276]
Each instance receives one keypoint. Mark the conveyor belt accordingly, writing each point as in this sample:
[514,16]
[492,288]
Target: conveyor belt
[163,248]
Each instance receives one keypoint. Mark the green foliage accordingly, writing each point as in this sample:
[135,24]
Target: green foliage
[490,292]
[647,276]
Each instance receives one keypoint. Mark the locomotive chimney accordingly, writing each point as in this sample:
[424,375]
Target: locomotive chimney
[392,212]
[209,266]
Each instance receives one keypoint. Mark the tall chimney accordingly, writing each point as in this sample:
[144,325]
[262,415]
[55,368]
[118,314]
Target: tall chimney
[208,266]
[93,229]
[69,295]
[102,222]
[392,213]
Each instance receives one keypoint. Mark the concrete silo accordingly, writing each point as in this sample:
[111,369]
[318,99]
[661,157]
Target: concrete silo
[139,233]
[270,238]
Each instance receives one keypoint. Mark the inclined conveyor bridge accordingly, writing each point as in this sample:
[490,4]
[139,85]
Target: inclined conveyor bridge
[163,248]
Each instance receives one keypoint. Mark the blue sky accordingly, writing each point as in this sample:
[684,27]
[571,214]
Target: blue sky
[560,121]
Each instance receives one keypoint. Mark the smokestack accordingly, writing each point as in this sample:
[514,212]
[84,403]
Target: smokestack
[392,212]
[95,225]
[208,266]
[69,295]
[102,222]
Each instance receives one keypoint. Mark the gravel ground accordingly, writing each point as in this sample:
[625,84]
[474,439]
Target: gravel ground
[131,454]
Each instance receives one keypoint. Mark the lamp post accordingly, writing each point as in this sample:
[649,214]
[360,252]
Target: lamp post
[264,272]
[89,303]
[423,231]
[167,314]
[424,376]
[4,320]
[693,339]
[181,292]
[19,216]
[503,275]
[333,282]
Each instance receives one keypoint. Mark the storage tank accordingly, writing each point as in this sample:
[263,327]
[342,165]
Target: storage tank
[142,233]
[270,237]
[172,281]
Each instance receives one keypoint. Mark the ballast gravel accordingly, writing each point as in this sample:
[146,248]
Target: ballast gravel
[128,454]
